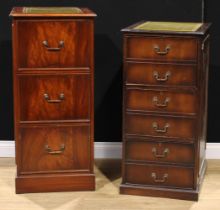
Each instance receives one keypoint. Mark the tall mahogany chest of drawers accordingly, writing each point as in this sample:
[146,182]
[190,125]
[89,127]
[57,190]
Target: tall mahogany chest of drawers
[53,98]
[165,109]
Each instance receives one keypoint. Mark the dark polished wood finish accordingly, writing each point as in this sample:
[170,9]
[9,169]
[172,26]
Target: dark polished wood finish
[54,100]
[160,126]
[179,47]
[163,152]
[182,74]
[164,112]
[159,175]
[161,101]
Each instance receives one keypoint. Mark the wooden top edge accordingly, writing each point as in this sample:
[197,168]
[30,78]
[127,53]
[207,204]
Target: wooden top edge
[19,12]
[200,31]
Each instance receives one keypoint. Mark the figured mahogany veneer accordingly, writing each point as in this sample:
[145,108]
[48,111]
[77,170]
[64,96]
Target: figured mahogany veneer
[40,47]
[54,97]
[164,111]
[53,57]
[54,149]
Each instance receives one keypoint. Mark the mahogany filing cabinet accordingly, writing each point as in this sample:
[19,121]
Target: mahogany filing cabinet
[53,98]
[165,108]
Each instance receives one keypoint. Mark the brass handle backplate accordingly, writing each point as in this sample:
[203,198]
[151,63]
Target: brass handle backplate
[160,105]
[158,51]
[160,79]
[158,130]
[60,46]
[162,180]
[55,152]
[47,98]
[163,155]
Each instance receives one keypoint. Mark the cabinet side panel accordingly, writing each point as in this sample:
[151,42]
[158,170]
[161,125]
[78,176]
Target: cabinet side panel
[204,99]
[15,87]
[91,54]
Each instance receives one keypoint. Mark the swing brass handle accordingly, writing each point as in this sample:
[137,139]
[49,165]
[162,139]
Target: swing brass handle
[47,98]
[55,152]
[161,105]
[161,79]
[162,180]
[158,51]
[60,46]
[163,155]
[158,130]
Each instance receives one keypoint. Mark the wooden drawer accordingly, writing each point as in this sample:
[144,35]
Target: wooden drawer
[48,149]
[140,99]
[161,48]
[160,126]
[161,176]
[160,74]
[54,97]
[162,152]
[54,44]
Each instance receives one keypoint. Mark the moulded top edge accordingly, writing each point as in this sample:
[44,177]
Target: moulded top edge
[153,27]
[51,12]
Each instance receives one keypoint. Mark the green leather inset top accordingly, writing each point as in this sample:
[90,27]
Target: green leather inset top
[52,10]
[169,26]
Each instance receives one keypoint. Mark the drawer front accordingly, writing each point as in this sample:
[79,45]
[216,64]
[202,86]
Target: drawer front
[160,176]
[160,74]
[160,126]
[164,49]
[51,97]
[161,101]
[47,149]
[163,152]
[54,44]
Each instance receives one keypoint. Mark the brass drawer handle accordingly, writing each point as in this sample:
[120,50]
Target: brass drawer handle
[159,52]
[55,152]
[164,79]
[165,153]
[47,98]
[60,46]
[164,178]
[156,128]
[161,105]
